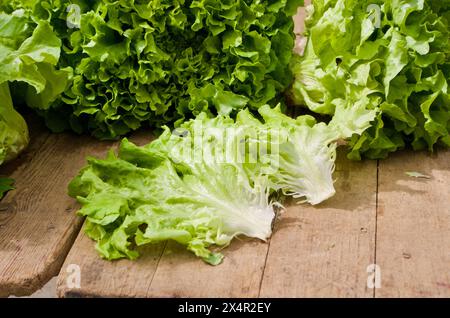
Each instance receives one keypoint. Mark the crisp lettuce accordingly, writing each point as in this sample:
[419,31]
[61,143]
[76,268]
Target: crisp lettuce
[296,155]
[210,180]
[157,62]
[395,55]
[29,51]
[13,128]
[302,153]
[6,184]
[140,197]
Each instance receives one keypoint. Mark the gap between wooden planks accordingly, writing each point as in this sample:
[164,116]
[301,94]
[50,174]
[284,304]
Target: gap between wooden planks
[37,220]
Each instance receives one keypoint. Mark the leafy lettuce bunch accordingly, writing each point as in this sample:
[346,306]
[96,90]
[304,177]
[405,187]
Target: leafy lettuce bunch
[156,62]
[209,180]
[29,51]
[394,54]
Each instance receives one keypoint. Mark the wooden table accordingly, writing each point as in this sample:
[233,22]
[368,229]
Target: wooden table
[379,216]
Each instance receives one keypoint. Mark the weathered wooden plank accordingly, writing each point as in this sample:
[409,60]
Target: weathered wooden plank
[180,274]
[413,222]
[177,274]
[101,278]
[37,221]
[324,251]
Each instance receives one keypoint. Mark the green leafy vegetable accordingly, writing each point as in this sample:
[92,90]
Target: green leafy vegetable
[209,180]
[394,54]
[303,152]
[141,197]
[6,185]
[29,51]
[13,128]
[296,155]
[157,62]
[418,175]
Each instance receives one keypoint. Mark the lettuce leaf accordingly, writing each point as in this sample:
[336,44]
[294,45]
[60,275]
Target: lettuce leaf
[210,180]
[302,154]
[140,197]
[395,55]
[296,155]
[6,184]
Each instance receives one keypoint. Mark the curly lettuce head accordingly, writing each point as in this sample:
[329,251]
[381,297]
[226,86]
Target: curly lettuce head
[157,62]
[140,197]
[393,53]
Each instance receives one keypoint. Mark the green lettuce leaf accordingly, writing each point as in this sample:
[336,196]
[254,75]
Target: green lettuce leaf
[140,197]
[13,128]
[296,155]
[210,180]
[302,154]
[392,54]
[6,184]
[158,62]
[29,51]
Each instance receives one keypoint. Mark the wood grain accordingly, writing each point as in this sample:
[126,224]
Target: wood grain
[324,251]
[37,221]
[180,274]
[413,245]
[100,278]
[177,274]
